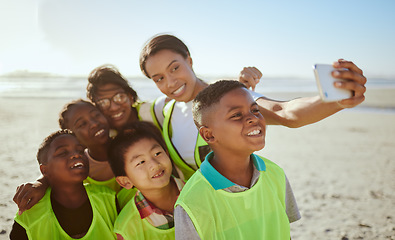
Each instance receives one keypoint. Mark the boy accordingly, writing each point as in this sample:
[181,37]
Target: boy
[92,130]
[69,209]
[235,194]
[139,158]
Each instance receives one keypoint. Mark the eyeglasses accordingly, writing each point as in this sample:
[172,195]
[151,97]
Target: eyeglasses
[118,98]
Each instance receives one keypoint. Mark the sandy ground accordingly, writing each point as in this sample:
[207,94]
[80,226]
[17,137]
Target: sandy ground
[341,169]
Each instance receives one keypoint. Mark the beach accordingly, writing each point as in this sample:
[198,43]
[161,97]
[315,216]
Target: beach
[341,169]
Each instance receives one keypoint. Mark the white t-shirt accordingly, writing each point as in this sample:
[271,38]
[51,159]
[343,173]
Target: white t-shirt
[184,131]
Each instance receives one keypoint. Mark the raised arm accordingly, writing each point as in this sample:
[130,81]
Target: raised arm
[303,111]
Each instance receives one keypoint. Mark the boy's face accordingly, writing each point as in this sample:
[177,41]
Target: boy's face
[66,162]
[119,111]
[147,165]
[88,124]
[236,124]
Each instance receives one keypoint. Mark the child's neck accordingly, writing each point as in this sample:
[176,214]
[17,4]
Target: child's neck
[70,196]
[236,168]
[163,198]
[99,152]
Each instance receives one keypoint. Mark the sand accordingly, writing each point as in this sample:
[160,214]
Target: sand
[341,169]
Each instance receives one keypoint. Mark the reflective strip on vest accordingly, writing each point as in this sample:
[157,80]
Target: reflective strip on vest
[201,147]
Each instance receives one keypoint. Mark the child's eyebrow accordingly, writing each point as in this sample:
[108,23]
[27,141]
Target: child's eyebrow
[138,155]
[175,60]
[238,107]
[60,146]
[78,119]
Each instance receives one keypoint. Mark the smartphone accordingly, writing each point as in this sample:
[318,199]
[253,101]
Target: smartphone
[324,79]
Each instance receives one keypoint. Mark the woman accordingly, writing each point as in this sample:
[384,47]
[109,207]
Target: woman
[166,60]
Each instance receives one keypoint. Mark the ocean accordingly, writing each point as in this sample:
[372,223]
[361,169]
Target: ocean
[70,88]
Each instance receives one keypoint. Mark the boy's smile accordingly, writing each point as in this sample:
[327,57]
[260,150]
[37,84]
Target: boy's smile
[66,161]
[147,165]
[236,122]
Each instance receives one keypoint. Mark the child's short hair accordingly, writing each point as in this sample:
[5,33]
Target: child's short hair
[210,96]
[162,42]
[134,133]
[107,74]
[63,121]
[42,153]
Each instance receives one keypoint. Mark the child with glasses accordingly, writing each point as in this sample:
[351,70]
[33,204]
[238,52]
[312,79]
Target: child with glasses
[112,94]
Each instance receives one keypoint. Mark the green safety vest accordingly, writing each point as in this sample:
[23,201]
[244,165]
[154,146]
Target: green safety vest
[130,225]
[201,147]
[111,183]
[125,195]
[41,223]
[257,213]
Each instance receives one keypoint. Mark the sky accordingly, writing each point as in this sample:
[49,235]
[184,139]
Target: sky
[281,38]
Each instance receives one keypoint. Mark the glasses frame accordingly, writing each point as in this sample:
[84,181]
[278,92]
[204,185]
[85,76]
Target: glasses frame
[118,98]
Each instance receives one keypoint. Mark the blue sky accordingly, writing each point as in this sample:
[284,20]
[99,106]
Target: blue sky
[281,38]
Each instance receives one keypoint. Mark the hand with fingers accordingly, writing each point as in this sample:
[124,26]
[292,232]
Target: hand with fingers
[356,82]
[28,194]
[250,77]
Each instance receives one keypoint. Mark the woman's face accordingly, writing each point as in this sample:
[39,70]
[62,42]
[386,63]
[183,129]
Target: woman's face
[173,75]
[115,104]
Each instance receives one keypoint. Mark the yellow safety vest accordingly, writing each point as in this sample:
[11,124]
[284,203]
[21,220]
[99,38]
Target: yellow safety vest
[130,225]
[125,195]
[41,223]
[111,183]
[257,213]
[201,147]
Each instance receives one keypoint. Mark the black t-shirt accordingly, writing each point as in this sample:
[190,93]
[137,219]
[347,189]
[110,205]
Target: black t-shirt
[75,222]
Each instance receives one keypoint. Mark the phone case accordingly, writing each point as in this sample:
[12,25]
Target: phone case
[324,79]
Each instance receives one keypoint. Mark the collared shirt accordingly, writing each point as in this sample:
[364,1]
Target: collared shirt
[218,181]
[155,216]
[186,229]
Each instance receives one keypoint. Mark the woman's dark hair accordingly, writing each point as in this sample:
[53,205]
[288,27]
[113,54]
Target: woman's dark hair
[107,74]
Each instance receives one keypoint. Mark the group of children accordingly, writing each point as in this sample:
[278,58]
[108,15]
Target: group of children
[229,193]
[228,119]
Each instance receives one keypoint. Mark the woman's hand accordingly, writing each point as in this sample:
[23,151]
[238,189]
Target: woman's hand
[356,82]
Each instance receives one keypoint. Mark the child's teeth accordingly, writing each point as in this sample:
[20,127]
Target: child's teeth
[117,115]
[78,165]
[99,132]
[255,132]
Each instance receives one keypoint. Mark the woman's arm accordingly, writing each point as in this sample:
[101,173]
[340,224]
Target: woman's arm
[303,111]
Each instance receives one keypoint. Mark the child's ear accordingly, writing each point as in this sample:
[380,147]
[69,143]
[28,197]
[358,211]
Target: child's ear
[43,169]
[124,182]
[206,134]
